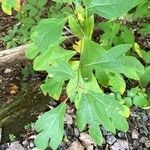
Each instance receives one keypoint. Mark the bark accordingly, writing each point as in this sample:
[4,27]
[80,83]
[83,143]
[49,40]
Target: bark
[13,55]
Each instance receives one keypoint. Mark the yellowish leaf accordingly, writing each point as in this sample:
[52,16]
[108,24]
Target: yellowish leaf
[78,46]
[137,49]
[8,5]
[126,113]
[17,7]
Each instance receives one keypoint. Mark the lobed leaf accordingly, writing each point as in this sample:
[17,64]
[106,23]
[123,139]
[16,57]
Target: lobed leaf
[61,70]
[94,109]
[51,56]
[52,87]
[51,128]
[117,83]
[31,52]
[48,33]
[113,60]
[110,9]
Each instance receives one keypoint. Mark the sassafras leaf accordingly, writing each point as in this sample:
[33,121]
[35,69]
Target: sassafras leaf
[110,9]
[48,33]
[51,128]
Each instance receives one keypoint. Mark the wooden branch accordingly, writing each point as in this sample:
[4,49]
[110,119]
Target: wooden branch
[13,55]
[17,54]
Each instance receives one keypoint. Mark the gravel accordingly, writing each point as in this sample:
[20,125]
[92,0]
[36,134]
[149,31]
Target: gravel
[135,134]
[147,144]
[111,139]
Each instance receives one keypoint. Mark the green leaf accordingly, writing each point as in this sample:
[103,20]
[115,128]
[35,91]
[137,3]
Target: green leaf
[61,70]
[48,33]
[53,87]
[145,78]
[51,56]
[110,9]
[145,30]
[31,52]
[133,92]
[84,85]
[126,112]
[91,112]
[127,36]
[41,3]
[102,76]
[116,52]
[146,56]
[142,10]
[33,12]
[128,101]
[75,27]
[110,31]
[64,1]
[140,101]
[117,83]
[77,85]
[51,128]
[91,52]
[96,134]
[94,108]
[88,26]
[114,60]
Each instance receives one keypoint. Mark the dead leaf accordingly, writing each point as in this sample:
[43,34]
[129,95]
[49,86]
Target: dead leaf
[13,89]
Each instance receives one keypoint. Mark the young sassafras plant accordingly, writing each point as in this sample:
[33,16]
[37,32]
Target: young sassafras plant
[95,67]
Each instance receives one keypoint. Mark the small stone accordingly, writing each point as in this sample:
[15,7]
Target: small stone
[15,146]
[31,145]
[147,144]
[68,119]
[7,70]
[86,139]
[76,133]
[133,114]
[135,134]
[25,143]
[141,130]
[144,118]
[111,139]
[91,147]
[120,145]
[35,148]
[121,135]
[76,145]
[139,124]
[140,148]
[52,103]
[136,144]
[143,139]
